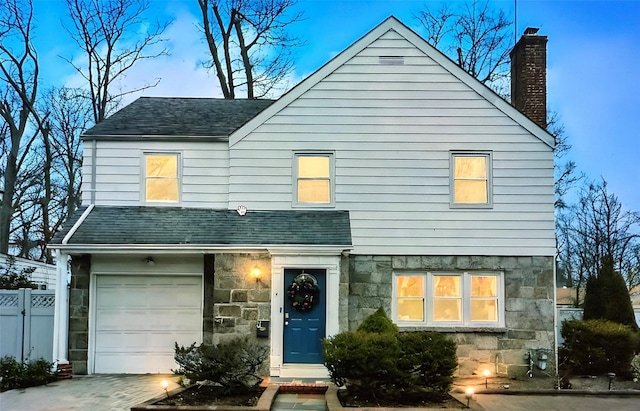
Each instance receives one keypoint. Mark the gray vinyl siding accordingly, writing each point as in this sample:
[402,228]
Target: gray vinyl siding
[119,180]
[392,128]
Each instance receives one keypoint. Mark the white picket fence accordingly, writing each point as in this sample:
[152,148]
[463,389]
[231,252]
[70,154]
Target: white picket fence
[26,323]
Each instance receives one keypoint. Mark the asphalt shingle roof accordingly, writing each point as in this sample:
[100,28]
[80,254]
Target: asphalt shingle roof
[171,116]
[207,227]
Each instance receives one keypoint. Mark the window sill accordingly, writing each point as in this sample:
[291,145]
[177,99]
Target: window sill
[455,329]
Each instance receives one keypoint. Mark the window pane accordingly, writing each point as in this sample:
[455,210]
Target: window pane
[410,293]
[410,309]
[162,166]
[470,167]
[470,191]
[161,177]
[311,166]
[446,286]
[314,191]
[410,286]
[447,309]
[484,286]
[162,189]
[484,310]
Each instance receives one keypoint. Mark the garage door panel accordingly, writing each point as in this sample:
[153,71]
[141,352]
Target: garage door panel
[138,320]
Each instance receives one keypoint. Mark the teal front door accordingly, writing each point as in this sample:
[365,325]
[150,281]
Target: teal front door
[304,325]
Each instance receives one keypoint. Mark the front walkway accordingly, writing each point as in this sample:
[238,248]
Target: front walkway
[88,393]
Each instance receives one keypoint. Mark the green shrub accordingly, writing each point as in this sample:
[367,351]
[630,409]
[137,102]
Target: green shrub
[598,346]
[390,364]
[378,322]
[429,358]
[365,362]
[14,374]
[233,364]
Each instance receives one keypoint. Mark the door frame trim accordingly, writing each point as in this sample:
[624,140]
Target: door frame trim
[331,265]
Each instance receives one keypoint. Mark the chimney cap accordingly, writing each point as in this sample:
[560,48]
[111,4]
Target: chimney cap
[531,31]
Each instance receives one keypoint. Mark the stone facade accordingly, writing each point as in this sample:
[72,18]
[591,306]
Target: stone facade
[79,313]
[529,307]
[240,301]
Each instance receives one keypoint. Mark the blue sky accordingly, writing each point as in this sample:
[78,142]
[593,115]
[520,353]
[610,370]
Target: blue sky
[593,65]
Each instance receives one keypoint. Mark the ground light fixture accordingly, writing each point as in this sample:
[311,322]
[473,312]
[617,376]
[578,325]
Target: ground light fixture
[611,376]
[486,374]
[165,386]
[468,394]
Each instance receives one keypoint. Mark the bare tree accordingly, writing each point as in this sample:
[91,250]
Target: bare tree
[249,44]
[108,33]
[475,36]
[599,227]
[19,90]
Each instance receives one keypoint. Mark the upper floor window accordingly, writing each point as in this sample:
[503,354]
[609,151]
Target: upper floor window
[162,177]
[470,179]
[313,175]
[448,299]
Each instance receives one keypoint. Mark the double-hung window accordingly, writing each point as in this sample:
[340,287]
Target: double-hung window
[313,179]
[465,299]
[162,177]
[471,184]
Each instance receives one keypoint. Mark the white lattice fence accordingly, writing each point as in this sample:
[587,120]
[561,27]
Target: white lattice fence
[26,323]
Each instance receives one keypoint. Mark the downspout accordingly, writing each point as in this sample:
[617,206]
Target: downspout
[555,322]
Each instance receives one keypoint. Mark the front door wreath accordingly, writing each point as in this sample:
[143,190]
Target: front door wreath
[303,292]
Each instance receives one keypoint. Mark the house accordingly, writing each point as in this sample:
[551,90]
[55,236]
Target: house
[42,274]
[388,178]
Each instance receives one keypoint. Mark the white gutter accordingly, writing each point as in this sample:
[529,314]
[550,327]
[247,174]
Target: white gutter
[75,227]
[191,248]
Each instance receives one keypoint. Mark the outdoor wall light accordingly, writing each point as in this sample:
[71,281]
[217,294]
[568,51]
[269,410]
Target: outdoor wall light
[468,394]
[486,374]
[542,361]
[256,273]
[149,261]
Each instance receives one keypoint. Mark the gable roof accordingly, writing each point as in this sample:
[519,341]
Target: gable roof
[393,24]
[104,228]
[156,117]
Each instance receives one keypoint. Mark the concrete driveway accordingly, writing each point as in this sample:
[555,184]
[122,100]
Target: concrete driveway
[88,393]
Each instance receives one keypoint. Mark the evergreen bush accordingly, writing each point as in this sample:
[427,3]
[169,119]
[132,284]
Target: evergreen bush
[429,358]
[14,374]
[390,364]
[598,346]
[378,322]
[607,297]
[232,364]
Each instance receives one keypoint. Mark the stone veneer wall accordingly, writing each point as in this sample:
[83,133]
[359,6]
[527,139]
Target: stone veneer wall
[529,306]
[79,313]
[240,301]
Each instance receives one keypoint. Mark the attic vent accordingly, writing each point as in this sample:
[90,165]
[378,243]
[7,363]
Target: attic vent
[392,60]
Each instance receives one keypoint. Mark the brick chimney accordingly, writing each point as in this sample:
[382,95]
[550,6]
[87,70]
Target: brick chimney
[529,76]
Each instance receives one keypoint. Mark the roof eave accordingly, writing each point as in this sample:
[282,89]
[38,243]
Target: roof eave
[151,137]
[198,248]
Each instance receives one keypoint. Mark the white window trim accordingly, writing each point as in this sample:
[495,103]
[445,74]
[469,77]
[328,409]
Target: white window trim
[143,177]
[294,179]
[466,300]
[489,158]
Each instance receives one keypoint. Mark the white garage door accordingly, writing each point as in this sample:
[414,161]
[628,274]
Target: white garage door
[139,318]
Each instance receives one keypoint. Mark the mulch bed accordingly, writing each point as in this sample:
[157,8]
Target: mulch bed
[212,395]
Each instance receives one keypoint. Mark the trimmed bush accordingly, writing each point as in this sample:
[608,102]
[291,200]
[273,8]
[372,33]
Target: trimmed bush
[429,358]
[14,374]
[598,346]
[364,362]
[233,364]
[389,364]
[378,322]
